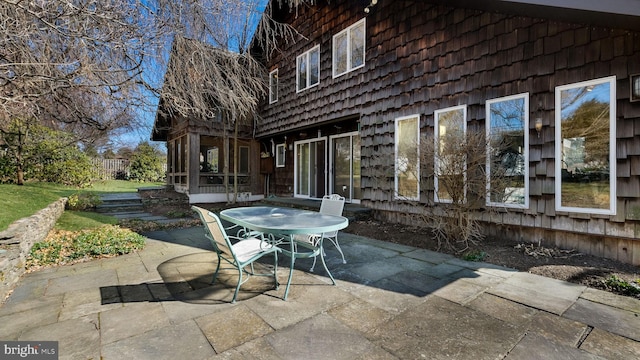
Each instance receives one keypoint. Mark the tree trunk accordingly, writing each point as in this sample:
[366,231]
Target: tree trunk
[19,161]
[235,162]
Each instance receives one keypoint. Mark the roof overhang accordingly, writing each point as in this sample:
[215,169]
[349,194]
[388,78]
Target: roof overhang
[623,14]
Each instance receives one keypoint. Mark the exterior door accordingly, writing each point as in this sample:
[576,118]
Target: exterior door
[310,168]
[345,166]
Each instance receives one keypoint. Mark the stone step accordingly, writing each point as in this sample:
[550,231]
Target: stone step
[115,207]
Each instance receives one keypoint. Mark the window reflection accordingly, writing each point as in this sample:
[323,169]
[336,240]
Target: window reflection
[507,160]
[450,161]
[407,162]
[584,147]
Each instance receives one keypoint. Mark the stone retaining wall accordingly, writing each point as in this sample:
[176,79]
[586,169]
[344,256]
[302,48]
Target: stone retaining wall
[17,240]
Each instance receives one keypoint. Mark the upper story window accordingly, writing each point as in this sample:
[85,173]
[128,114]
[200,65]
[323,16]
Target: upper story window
[348,49]
[407,158]
[308,69]
[273,86]
[585,163]
[507,125]
[450,163]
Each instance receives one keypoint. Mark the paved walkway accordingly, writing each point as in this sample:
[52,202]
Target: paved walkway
[391,302]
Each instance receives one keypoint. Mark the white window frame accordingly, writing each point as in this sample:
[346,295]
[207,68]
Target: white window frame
[307,56]
[273,86]
[347,32]
[436,139]
[525,150]
[397,170]
[281,150]
[612,147]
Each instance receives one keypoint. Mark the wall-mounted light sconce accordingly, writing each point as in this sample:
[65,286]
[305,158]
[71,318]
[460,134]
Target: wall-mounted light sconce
[368,8]
[538,119]
[634,88]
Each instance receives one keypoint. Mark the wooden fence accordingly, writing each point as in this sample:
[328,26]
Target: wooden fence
[110,169]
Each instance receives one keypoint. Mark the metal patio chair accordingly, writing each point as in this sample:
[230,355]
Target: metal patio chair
[241,254]
[331,205]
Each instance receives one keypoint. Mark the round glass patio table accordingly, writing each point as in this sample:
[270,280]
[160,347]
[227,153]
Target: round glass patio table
[286,222]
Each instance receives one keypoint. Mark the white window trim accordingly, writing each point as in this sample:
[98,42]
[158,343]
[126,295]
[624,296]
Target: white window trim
[436,144]
[612,147]
[308,57]
[333,52]
[281,159]
[524,96]
[395,158]
[273,75]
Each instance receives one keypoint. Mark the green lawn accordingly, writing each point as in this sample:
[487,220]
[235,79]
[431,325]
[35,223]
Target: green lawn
[17,202]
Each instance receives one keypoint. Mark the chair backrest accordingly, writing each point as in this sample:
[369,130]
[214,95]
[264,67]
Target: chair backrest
[214,231]
[332,205]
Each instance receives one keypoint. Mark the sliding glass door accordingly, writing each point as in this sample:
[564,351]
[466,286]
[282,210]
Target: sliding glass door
[310,168]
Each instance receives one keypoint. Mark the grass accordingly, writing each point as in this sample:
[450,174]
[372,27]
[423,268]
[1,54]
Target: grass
[78,235]
[80,220]
[17,202]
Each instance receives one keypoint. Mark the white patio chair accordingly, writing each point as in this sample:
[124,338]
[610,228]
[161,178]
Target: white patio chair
[239,255]
[331,205]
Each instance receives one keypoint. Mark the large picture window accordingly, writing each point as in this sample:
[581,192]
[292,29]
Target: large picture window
[308,69]
[450,162]
[349,49]
[407,158]
[585,146]
[507,124]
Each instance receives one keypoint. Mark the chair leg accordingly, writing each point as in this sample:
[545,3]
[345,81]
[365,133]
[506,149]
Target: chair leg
[215,274]
[337,245]
[235,294]
[275,270]
[314,263]
[325,265]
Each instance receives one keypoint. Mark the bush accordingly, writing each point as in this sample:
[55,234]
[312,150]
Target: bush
[83,201]
[146,164]
[62,247]
[48,155]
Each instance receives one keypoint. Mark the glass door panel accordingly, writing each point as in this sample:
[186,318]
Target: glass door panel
[310,168]
[345,165]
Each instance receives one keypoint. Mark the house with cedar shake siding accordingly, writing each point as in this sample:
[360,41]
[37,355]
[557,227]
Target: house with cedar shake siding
[351,100]
[367,79]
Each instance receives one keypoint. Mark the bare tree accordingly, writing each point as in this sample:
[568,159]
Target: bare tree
[212,74]
[91,67]
[453,183]
[70,65]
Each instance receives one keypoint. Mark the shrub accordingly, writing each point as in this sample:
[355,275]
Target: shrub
[622,286]
[47,155]
[83,201]
[146,164]
[61,247]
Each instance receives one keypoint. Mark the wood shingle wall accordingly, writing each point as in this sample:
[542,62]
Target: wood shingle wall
[421,57]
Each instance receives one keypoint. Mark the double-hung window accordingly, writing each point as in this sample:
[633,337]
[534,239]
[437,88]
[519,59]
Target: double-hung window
[308,69]
[586,147]
[349,49]
[273,86]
